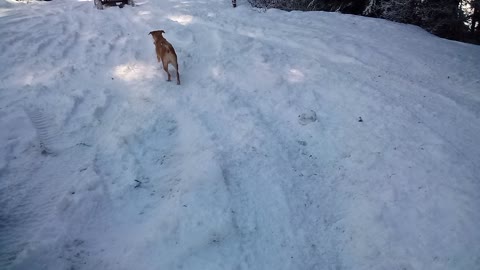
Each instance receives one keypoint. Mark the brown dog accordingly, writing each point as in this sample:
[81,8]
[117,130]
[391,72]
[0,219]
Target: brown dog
[165,52]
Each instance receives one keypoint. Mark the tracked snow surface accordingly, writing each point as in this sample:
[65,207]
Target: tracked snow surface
[296,140]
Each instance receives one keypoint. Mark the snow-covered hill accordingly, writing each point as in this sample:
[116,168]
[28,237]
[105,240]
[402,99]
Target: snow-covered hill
[296,140]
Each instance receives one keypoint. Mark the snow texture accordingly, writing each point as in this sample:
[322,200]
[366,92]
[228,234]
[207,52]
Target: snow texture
[296,140]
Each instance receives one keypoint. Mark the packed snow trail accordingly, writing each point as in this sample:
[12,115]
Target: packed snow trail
[296,140]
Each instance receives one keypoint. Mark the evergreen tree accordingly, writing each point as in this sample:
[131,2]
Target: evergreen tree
[446,18]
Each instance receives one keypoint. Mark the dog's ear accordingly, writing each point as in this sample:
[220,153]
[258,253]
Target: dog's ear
[161,31]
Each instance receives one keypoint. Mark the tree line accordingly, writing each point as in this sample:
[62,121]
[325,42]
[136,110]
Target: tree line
[452,19]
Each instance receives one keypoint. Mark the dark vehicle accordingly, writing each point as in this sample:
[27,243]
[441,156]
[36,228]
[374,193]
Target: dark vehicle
[100,3]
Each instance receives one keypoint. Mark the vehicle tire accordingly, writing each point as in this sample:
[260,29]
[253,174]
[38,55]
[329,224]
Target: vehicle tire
[98,4]
[131,3]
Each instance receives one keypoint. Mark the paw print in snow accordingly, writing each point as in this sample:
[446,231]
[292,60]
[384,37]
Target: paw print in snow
[307,117]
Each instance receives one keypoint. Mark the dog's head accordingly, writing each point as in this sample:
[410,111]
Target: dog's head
[156,35]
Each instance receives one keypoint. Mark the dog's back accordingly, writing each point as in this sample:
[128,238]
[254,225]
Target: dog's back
[166,50]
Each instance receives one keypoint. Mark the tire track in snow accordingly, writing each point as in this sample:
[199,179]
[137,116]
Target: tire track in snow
[13,216]
[253,194]
[251,232]
[32,206]
[33,201]
[259,205]
[248,114]
[34,42]
[146,150]
[68,37]
[26,212]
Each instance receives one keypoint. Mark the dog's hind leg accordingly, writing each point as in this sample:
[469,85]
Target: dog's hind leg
[165,67]
[178,75]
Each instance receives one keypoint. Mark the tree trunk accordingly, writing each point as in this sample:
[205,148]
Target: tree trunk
[475,16]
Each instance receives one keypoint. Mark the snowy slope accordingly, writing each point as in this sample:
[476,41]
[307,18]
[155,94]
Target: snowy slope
[259,160]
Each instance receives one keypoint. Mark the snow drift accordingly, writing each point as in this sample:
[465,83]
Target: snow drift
[296,141]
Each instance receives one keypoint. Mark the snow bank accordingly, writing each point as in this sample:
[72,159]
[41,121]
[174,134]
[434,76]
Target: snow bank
[296,141]
[5,4]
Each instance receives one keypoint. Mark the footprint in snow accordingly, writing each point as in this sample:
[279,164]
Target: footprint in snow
[307,117]
[47,134]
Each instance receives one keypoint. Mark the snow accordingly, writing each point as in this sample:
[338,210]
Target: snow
[258,160]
